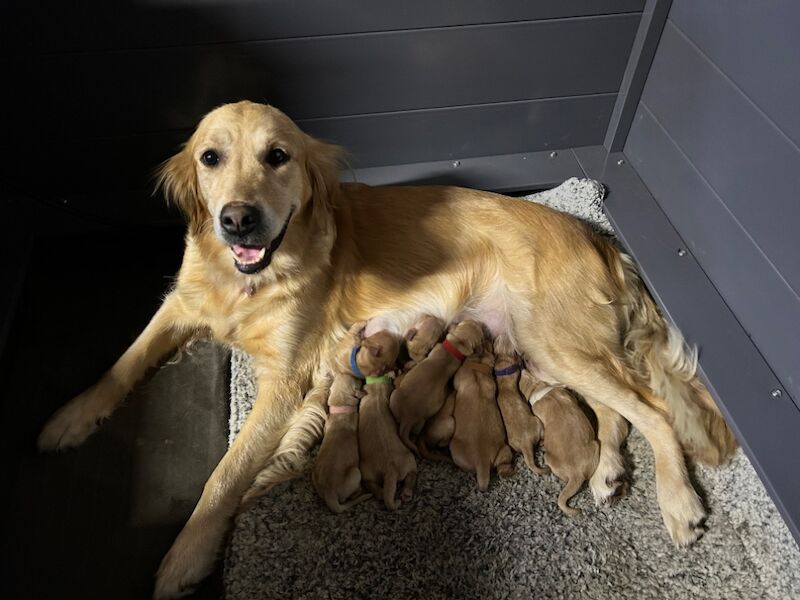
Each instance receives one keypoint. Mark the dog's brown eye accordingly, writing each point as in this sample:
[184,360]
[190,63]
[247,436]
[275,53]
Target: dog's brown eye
[277,156]
[209,158]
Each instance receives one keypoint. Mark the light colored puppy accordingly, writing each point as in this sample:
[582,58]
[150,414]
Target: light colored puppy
[420,339]
[424,389]
[336,474]
[479,439]
[571,450]
[435,437]
[523,428]
[385,461]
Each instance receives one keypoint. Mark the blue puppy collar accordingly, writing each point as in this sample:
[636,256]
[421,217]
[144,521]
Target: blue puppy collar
[354,365]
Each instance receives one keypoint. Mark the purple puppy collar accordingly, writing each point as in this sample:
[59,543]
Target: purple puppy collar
[507,371]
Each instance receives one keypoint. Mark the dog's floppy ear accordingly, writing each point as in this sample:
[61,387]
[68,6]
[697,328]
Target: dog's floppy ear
[411,334]
[177,179]
[322,165]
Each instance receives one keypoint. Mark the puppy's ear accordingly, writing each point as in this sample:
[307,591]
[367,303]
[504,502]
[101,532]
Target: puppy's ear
[410,334]
[322,167]
[374,350]
[177,179]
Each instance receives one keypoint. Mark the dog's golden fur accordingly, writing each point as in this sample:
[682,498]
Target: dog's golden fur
[571,302]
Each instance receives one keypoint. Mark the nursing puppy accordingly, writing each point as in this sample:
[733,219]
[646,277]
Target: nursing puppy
[385,461]
[420,339]
[523,428]
[438,431]
[479,439]
[336,475]
[570,448]
[424,389]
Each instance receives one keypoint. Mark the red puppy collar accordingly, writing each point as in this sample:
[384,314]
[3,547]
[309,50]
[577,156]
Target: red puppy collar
[454,352]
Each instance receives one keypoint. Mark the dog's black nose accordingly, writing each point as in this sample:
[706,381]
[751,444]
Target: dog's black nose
[239,219]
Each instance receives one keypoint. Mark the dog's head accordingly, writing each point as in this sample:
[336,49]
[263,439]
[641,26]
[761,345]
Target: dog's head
[468,336]
[247,171]
[378,353]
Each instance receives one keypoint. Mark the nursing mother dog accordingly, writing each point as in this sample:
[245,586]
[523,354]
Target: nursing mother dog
[281,259]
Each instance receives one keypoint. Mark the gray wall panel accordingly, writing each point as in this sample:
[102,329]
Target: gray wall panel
[765,305]
[748,162]
[125,24]
[482,130]
[756,45]
[143,91]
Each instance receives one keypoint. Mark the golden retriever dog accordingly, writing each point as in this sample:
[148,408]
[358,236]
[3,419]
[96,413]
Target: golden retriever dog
[479,437]
[423,390]
[281,257]
[523,428]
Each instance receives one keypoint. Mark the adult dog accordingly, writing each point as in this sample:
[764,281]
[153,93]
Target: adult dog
[281,258]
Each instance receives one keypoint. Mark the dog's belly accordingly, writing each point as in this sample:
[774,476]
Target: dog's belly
[489,306]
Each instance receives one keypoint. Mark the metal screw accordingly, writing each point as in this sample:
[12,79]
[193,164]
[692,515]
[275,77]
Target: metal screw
[456,163]
[681,252]
[776,393]
[621,162]
[553,154]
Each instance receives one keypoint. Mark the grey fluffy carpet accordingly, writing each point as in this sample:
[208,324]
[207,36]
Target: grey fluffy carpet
[453,541]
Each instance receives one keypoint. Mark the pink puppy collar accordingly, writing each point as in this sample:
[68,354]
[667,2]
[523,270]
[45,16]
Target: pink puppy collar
[341,409]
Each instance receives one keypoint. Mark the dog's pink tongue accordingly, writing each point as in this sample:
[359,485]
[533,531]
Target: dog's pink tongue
[246,254]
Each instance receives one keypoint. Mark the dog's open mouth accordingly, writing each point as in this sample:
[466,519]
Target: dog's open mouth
[252,259]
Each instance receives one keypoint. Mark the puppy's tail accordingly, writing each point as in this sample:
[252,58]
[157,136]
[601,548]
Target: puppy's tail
[663,369]
[390,491]
[484,474]
[332,500]
[291,456]
[528,457]
[572,487]
[425,452]
[404,432]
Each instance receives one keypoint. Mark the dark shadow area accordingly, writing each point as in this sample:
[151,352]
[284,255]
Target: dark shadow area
[94,522]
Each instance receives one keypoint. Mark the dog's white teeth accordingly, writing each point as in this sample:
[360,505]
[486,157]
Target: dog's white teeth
[247,258]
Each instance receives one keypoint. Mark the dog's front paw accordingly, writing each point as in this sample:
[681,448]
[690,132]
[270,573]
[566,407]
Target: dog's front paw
[683,516]
[69,426]
[187,563]
[608,481]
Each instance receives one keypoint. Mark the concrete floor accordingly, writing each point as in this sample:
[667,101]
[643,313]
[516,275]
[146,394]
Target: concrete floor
[95,522]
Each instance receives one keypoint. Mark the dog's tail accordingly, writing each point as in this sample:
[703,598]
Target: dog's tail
[571,488]
[528,456]
[404,431]
[663,369]
[484,473]
[291,456]
[425,452]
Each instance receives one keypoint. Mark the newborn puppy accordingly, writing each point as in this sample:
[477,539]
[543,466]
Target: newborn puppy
[479,439]
[438,431]
[523,428]
[424,334]
[423,390]
[385,461]
[420,339]
[571,450]
[336,475]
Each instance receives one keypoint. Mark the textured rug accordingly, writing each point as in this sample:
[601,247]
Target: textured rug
[453,541]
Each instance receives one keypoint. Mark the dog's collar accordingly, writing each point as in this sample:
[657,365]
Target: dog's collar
[354,364]
[479,367]
[507,371]
[378,380]
[341,409]
[454,352]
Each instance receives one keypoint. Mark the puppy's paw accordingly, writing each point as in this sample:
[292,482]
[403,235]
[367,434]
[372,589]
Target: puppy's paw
[187,563]
[608,481]
[69,426]
[683,516]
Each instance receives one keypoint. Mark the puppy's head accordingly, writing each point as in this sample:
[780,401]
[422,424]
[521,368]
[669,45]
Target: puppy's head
[423,336]
[247,171]
[468,336]
[503,348]
[378,353]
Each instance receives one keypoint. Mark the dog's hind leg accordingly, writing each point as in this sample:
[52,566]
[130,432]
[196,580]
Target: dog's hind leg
[608,481]
[409,484]
[390,491]
[79,418]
